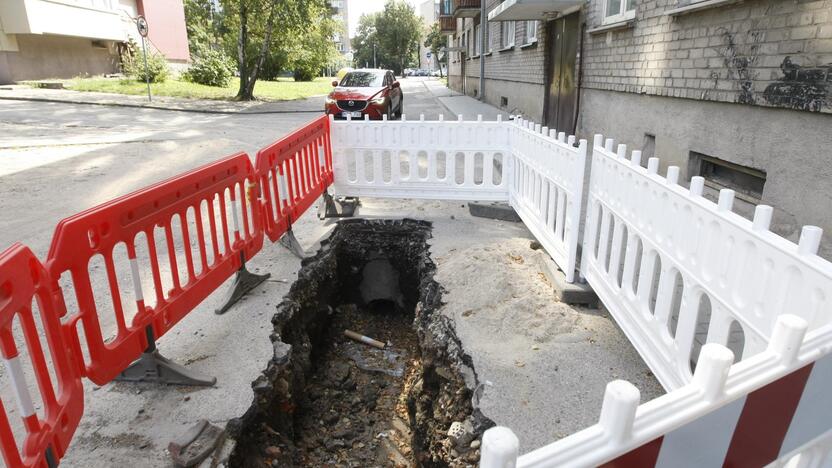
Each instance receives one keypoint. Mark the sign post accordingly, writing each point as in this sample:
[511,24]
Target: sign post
[141,25]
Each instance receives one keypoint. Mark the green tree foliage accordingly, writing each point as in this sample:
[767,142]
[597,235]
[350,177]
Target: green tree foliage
[313,50]
[201,25]
[364,41]
[264,37]
[395,33]
[434,41]
[212,68]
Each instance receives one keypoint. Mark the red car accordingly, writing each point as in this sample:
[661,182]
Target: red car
[366,92]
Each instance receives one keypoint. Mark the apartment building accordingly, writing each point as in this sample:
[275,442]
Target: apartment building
[739,92]
[428,12]
[340,12]
[65,38]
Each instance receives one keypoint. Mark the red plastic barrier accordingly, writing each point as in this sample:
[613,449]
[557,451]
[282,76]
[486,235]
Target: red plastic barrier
[42,440]
[294,171]
[207,194]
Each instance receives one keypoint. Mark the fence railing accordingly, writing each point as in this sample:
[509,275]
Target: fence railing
[677,270]
[538,171]
[772,407]
[453,160]
[547,188]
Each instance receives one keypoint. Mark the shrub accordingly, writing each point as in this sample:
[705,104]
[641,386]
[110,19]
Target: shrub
[305,73]
[211,68]
[157,67]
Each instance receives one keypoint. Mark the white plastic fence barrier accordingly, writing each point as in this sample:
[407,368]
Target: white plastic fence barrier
[547,173]
[676,270]
[770,408]
[537,170]
[448,160]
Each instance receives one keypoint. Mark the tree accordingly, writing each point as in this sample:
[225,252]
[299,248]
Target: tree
[390,36]
[257,38]
[398,32]
[365,42]
[434,41]
[313,50]
[203,23]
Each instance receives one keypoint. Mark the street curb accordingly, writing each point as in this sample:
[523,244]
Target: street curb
[142,106]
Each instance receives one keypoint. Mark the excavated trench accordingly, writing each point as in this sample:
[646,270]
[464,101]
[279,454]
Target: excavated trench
[329,400]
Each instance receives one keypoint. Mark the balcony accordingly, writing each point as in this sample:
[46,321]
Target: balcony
[466,8]
[95,19]
[447,24]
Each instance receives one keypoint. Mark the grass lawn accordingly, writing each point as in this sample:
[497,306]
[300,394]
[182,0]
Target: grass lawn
[281,90]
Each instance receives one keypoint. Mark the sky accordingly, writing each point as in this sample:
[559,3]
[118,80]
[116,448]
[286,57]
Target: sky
[359,7]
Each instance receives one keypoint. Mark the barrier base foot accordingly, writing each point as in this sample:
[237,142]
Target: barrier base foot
[291,242]
[153,367]
[244,281]
[341,207]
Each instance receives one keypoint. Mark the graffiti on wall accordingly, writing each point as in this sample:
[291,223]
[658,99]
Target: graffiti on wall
[740,60]
[801,88]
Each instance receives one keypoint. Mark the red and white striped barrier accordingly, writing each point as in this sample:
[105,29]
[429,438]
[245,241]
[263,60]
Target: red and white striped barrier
[768,408]
[294,171]
[45,430]
[189,228]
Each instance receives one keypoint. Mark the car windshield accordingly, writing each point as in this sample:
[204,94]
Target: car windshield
[362,79]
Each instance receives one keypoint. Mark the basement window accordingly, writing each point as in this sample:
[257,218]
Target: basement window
[747,182]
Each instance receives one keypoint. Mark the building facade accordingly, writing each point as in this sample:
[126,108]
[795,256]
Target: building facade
[66,38]
[340,12]
[739,92]
[428,12]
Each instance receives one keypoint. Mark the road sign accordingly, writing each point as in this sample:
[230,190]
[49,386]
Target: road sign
[141,25]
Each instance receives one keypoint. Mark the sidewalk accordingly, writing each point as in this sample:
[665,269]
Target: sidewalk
[460,104]
[204,106]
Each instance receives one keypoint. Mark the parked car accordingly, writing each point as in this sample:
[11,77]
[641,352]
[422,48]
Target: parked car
[368,91]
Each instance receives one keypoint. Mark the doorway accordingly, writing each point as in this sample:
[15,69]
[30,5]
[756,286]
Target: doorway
[560,107]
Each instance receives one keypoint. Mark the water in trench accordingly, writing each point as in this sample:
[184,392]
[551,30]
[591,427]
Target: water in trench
[326,399]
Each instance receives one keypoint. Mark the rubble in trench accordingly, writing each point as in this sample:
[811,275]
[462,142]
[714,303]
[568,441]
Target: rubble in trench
[328,400]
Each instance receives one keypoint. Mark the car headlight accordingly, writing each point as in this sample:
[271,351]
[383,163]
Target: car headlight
[329,100]
[378,100]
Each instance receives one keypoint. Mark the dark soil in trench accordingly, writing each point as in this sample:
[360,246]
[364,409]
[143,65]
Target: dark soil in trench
[325,400]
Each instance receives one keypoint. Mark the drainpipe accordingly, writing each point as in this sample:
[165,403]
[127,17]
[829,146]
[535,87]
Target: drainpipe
[483,34]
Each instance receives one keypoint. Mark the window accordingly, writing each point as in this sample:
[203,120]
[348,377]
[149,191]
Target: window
[477,40]
[531,32]
[619,10]
[507,34]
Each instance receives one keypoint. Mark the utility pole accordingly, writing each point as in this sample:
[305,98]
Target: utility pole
[483,35]
[374,55]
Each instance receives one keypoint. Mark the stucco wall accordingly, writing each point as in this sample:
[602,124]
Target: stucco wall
[166,20]
[41,57]
[791,147]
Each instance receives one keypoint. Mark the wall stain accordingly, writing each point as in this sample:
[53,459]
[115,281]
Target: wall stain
[801,88]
